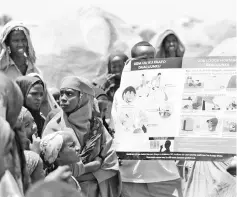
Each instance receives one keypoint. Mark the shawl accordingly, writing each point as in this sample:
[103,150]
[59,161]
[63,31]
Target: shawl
[92,137]
[160,47]
[5,59]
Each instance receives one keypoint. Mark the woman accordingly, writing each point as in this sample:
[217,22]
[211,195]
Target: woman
[33,92]
[48,103]
[115,68]
[11,101]
[17,55]
[169,45]
[76,100]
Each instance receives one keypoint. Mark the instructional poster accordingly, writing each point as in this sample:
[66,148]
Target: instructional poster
[164,112]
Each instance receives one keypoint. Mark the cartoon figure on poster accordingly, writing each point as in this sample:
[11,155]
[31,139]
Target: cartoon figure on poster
[193,83]
[154,85]
[129,95]
[126,119]
[167,146]
[229,126]
[192,103]
[165,110]
[210,100]
[212,124]
[232,105]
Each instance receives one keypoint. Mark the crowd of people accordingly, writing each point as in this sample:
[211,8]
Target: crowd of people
[58,141]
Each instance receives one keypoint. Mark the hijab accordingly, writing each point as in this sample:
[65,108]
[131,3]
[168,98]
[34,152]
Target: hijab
[79,119]
[49,102]
[4,53]
[26,83]
[11,101]
[159,46]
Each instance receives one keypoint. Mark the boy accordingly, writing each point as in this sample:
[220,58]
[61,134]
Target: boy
[152,178]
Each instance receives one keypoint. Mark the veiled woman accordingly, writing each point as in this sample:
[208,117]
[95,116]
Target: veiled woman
[76,100]
[17,55]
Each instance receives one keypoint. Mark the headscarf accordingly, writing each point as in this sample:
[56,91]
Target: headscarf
[79,119]
[4,55]
[117,54]
[159,46]
[11,99]
[99,92]
[26,83]
[50,147]
[6,134]
[32,160]
[49,102]
[52,189]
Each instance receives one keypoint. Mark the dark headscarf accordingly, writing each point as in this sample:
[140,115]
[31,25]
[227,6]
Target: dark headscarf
[113,55]
[11,101]
[11,96]
[26,83]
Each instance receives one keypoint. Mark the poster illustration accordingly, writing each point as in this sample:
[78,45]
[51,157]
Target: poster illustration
[177,111]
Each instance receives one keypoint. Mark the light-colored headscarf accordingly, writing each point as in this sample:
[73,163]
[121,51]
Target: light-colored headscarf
[50,147]
[79,119]
[4,55]
[159,46]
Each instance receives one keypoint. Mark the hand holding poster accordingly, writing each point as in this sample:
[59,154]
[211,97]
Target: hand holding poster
[162,111]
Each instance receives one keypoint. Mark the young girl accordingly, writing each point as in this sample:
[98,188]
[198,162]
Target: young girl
[27,131]
[59,149]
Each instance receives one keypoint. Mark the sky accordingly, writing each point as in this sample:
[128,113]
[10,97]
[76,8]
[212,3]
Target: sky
[145,13]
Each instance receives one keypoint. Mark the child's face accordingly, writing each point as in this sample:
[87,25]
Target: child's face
[117,65]
[147,51]
[69,153]
[57,97]
[103,105]
[29,125]
[129,96]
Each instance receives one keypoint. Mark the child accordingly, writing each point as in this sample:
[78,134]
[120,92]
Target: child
[59,148]
[147,177]
[103,103]
[129,94]
[115,67]
[27,131]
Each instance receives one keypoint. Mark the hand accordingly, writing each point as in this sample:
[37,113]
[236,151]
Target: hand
[35,146]
[62,173]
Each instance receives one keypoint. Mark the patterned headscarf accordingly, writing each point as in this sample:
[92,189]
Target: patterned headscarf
[7,29]
[50,147]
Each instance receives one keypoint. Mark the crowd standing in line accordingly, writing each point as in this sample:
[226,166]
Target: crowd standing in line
[58,142]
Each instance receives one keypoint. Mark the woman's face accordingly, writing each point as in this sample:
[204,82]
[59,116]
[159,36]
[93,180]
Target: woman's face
[18,42]
[171,43]
[35,97]
[117,65]
[69,99]
[69,153]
